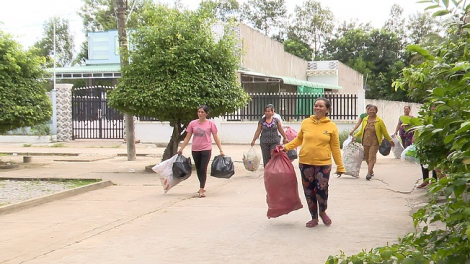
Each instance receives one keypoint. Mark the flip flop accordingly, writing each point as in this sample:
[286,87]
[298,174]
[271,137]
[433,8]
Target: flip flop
[326,219]
[202,194]
[312,223]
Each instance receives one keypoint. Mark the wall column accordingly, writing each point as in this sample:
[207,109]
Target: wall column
[64,111]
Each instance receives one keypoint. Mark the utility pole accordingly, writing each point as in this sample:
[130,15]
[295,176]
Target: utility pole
[123,52]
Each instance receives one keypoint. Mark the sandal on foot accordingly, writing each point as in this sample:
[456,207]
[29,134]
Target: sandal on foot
[312,223]
[326,219]
[202,194]
[368,176]
[423,185]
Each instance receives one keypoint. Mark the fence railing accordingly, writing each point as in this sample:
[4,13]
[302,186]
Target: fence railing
[295,107]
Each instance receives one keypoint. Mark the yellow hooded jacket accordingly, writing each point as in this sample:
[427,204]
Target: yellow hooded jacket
[380,129]
[319,138]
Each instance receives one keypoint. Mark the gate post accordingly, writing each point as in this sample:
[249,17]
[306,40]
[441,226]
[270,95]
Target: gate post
[64,111]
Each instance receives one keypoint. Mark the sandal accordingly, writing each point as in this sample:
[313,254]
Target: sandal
[423,185]
[325,219]
[312,223]
[202,194]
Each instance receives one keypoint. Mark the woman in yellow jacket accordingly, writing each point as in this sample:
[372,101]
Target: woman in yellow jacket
[373,131]
[319,138]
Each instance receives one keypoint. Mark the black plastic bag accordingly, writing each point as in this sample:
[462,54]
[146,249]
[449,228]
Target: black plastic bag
[222,167]
[385,147]
[182,167]
[292,154]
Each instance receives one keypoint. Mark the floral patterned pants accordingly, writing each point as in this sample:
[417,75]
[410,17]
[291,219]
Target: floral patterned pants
[315,183]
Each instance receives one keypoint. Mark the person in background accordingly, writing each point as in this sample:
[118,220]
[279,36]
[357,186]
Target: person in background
[268,127]
[359,121]
[275,115]
[201,130]
[373,131]
[406,136]
[318,138]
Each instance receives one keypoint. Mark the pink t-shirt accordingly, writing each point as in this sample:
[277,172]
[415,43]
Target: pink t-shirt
[201,134]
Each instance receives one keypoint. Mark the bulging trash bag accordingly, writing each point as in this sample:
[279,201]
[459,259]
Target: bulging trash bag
[409,154]
[291,134]
[222,167]
[281,185]
[251,160]
[164,171]
[398,148]
[182,167]
[353,154]
[292,154]
[385,147]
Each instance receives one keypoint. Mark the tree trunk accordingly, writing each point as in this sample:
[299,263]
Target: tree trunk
[176,137]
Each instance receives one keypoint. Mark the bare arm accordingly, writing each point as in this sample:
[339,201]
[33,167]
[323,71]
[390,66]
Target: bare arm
[185,142]
[358,123]
[258,131]
[217,141]
[281,130]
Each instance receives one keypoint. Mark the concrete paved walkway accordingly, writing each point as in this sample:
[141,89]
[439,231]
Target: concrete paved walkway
[134,222]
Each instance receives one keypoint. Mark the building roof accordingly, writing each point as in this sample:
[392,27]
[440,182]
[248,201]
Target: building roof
[292,81]
[88,71]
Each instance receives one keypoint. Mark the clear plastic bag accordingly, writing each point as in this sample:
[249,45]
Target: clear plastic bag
[410,155]
[353,155]
[398,148]
[347,141]
[251,160]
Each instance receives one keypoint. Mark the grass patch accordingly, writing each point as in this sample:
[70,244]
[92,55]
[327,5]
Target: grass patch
[27,145]
[58,145]
[80,183]
[117,146]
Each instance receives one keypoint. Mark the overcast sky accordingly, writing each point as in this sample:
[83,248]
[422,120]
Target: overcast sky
[24,18]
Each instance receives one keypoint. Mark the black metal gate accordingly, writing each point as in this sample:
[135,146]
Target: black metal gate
[92,118]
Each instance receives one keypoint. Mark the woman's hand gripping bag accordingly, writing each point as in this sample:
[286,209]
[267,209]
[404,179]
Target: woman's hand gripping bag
[281,185]
[222,167]
[353,154]
[398,148]
[251,160]
[291,134]
[164,171]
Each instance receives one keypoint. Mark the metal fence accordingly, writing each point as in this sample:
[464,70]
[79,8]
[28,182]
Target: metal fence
[296,107]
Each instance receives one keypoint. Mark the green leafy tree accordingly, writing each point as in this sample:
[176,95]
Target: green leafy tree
[224,10]
[313,24]
[267,16]
[178,64]
[295,46]
[63,41]
[23,100]
[444,143]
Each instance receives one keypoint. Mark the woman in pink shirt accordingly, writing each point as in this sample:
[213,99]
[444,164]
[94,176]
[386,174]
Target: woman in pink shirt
[201,147]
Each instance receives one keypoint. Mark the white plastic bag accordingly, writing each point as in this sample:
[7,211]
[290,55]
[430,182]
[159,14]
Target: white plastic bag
[353,154]
[398,148]
[164,170]
[410,155]
[251,160]
[347,141]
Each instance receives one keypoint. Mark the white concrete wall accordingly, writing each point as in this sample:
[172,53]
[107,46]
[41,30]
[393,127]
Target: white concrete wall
[242,132]
[390,111]
[229,132]
[265,55]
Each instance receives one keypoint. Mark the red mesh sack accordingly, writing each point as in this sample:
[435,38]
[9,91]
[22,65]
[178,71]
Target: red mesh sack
[281,185]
